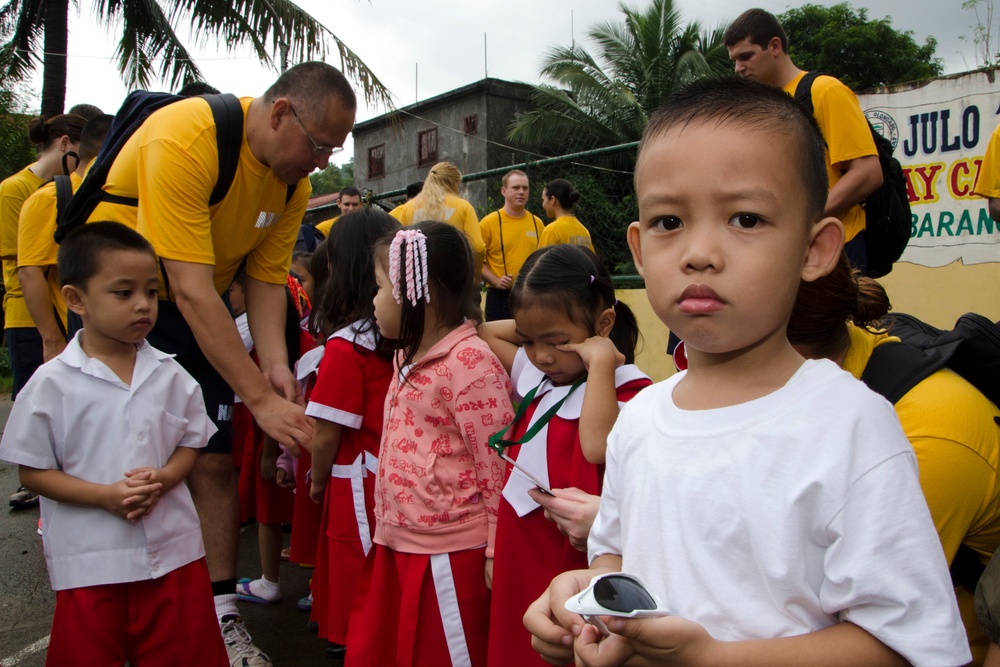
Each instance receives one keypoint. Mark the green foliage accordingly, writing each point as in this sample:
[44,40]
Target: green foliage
[862,53]
[606,99]
[982,31]
[332,179]
[16,149]
[5,367]
[148,48]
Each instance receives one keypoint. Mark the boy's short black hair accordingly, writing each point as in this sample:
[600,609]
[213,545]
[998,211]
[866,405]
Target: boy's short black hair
[759,26]
[753,106]
[350,191]
[79,257]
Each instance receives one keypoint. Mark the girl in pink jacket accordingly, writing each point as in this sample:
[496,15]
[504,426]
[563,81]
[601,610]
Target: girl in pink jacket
[423,596]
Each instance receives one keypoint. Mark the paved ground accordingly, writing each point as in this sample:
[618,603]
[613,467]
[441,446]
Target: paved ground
[27,602]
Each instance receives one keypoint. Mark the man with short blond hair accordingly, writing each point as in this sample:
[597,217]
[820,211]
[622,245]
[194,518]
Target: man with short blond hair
[510,234]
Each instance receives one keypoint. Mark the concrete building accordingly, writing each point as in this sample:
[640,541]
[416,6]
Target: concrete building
[466,126]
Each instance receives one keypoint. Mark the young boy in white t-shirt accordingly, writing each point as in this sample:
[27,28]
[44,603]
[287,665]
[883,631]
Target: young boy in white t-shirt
[106,433]
[770,502]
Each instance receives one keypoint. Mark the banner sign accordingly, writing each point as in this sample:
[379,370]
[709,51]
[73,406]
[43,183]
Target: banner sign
[940,129]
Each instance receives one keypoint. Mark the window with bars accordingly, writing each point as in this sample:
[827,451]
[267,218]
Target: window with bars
[472,124]
[376,161]
[427,147]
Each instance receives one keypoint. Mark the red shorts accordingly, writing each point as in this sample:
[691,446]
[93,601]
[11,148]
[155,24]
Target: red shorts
[268,502]
[419,610]
[167,621]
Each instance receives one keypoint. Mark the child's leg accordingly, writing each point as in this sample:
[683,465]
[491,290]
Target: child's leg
[269,541]
[266,589]
[88,627]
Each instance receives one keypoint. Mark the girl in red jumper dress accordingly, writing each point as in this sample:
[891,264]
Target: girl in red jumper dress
[570,348]
[346,401]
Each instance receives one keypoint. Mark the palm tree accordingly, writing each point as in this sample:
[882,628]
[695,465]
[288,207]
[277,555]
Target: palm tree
[149,47]
[606,100]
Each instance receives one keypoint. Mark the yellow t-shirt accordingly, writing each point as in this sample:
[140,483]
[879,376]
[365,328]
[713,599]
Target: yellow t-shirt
[459,214]
[988,179]
[566,229]
[13,193]
[520,239]
[950,425]
[846,132]
[171,165]
[36,245]
[326,225]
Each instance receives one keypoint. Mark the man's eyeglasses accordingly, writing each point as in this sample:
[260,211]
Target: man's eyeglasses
[615,594]
[317,148]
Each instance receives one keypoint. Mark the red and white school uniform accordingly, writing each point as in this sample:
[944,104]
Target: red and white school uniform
[530,550]
[350,389]
[306,515]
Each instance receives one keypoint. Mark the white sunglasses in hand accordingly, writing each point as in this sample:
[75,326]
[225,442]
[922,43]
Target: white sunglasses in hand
[615,594]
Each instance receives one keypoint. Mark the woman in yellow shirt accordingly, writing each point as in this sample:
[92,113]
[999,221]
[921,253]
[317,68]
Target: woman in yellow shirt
[439,200]
[558,200]
[948,421]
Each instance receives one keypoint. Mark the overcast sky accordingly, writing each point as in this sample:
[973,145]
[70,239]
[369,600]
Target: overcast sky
[421,49]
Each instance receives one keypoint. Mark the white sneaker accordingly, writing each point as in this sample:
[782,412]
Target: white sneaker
[242,652]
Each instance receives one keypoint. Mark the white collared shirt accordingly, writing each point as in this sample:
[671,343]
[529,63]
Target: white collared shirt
[77,416]
[525,377]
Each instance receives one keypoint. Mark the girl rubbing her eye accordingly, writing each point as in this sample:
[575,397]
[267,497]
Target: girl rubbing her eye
[570,350]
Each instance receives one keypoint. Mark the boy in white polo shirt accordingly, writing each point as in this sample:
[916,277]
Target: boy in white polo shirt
[106,433]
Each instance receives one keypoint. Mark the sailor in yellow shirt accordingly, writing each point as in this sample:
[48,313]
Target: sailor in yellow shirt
[59,139]
[171,165]
[758,46]
[438,200]
[510,234]
[948,421]
[348,201]
[37,249]
[558,200]
[988,178]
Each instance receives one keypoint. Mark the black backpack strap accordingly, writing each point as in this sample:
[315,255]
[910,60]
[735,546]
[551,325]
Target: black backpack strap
[228,114]
[803,91]
[895,368]
[64,192]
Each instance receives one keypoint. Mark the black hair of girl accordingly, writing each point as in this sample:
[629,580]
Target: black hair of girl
[571,279]
[564,193]
[343,269]
[449,276]
[824,306]
[45,131]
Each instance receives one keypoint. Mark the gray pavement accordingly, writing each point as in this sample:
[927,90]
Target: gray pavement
[27,602]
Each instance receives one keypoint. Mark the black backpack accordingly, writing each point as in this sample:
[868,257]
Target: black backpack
[887,210]
[971,349]
[308,239]
[228,115]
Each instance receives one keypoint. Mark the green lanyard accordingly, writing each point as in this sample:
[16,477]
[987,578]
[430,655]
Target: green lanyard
[498,444]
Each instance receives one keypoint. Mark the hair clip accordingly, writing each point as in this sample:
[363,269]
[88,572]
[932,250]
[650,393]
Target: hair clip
[415,269]
[592,278]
